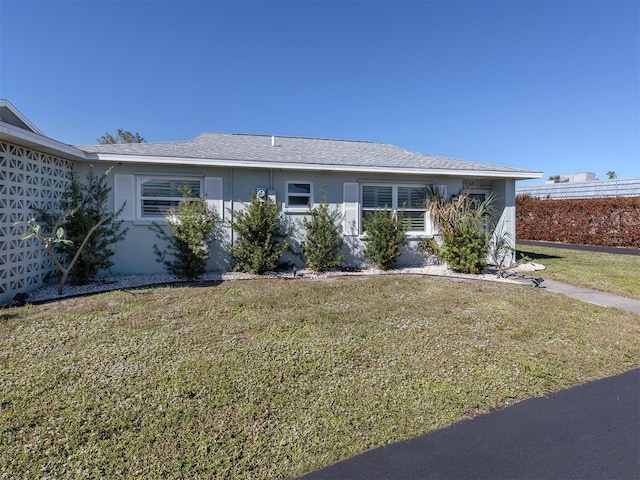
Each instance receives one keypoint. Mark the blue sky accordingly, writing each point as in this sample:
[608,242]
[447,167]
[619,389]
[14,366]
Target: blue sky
[552,86]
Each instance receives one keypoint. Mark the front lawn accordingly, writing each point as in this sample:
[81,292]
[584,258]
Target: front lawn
[606,272]
[272,378]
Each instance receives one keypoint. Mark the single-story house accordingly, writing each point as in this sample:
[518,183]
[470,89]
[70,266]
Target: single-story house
[356,177]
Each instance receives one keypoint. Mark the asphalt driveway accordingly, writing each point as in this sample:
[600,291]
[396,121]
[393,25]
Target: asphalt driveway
[589,432]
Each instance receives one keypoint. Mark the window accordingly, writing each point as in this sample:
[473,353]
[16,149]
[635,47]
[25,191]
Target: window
[299,195]
[159,194]
[413,203]
[409,200]
[149,197]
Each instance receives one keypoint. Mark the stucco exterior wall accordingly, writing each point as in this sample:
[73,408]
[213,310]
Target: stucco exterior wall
[29,180]
[135,253]
[506,207]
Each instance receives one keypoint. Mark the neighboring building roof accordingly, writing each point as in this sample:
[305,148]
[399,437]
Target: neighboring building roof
[299,152]
[617,187]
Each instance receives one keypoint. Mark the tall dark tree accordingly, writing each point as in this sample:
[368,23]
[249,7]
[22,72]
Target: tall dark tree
[122,136]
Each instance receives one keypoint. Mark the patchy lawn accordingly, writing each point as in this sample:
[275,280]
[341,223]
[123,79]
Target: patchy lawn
[273,378]
[605,272]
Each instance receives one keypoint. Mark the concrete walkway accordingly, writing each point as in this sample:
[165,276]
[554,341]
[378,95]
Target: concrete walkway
[592,296]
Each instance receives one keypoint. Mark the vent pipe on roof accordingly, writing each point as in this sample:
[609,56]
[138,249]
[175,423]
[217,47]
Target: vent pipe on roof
[273,141]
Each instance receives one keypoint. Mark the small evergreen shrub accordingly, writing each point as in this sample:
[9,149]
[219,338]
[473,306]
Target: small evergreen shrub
[385,232]
[193,229]
[323,240]
[260,242]
[465,252]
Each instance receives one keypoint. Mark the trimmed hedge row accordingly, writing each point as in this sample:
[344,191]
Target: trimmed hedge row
[611,222]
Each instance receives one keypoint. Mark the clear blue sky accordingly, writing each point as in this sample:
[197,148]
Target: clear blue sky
[552,86]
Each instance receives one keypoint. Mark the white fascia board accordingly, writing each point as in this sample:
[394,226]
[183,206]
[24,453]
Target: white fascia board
[109,157]
[6,103]
[12,134]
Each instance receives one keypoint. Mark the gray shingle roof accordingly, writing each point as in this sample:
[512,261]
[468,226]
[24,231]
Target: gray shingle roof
[619,187]
[298,150]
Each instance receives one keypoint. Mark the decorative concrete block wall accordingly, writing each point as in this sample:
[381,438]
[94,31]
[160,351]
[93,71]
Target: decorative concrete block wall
[28,180]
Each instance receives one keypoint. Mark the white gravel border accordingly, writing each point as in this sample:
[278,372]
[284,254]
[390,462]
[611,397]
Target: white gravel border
[123,282]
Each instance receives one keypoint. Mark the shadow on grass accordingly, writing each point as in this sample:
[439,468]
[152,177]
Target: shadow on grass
[5,317]
[135,290]
[535,256]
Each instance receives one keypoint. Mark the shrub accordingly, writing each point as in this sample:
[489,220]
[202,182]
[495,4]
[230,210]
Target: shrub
[259,242]
[193,227]
[91,230]
[323,240]
[465,252]
[429,248]
[385,235]
[464,224]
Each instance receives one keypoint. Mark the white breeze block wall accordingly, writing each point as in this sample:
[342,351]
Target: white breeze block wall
[28,180]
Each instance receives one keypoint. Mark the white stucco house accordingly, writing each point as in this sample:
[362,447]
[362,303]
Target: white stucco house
[357,176]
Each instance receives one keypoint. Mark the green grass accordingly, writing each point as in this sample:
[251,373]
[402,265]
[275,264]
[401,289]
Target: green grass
[606,272]
[273,378]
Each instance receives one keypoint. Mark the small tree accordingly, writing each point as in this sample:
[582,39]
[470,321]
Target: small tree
[385,234]
[611,175]
[260,240]
[193,227]
[323,241]
[90,230]
[50,240]
[88,202]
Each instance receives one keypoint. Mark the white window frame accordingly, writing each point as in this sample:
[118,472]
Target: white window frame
[140,198]
[309,196]
[428,227]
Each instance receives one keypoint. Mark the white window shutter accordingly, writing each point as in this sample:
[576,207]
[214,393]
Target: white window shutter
[213,194]
[124,191]
[351,208]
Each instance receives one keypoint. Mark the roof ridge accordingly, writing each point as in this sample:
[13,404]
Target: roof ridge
[296,137]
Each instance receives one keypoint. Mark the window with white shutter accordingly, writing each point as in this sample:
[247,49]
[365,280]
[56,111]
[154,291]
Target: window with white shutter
[407,200]
[158,195]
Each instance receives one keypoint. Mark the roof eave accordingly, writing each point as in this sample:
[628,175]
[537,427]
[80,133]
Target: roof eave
[161,160]
[4,103]
[25,138]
